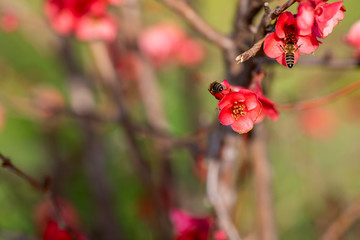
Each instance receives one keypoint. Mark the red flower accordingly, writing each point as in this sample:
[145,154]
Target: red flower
[191,52]
[324,15]
[286,31]
[269,109]
[160,42]
[240,110]
[353,37]
[188,227]
[44,213]
[87,17]
[91,28]
[54,232]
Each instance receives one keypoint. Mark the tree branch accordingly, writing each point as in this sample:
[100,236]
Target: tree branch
[319,101]
[207,31]
[346,219]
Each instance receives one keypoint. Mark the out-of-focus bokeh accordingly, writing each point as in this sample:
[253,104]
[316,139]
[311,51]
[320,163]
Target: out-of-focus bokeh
[314,154]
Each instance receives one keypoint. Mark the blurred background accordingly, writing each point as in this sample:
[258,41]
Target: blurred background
[59,118]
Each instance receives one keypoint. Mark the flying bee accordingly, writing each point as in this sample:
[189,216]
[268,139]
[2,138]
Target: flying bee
[216,89]
[289,51]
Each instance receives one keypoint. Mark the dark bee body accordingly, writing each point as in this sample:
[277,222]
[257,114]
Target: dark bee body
[290,46]
[216,87]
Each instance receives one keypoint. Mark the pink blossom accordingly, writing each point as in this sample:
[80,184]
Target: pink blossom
[190,52]
[161,42]
[240,110]
[286,31]
[94,28]
[9,22]
[319,17]
[188,227]
[87,18]
[353,37]
[319,123]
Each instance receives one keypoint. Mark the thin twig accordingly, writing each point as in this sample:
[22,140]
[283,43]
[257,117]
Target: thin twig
[319,101]
[346,219]
[207,31]
[251,52]
[6,163]
[277,11]
[43,188]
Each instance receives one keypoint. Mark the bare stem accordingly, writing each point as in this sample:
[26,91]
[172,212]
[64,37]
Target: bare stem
[346,219]
[6,163]
[207,31]
[251,52]
[307,104]
[277,11]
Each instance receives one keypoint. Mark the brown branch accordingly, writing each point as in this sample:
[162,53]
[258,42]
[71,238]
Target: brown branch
[207,31]
[262,179]
[277,11]
[6,163]
[251,52]
[43,188]
[346,219]
[303,105]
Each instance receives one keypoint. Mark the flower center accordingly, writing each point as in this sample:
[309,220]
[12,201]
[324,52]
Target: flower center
[290,34]
[238,110]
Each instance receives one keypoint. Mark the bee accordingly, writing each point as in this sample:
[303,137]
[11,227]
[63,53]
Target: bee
[290,46]
[289,51]
[216,89]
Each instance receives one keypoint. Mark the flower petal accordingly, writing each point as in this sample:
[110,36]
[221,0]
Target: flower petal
[327,10]
[272,45]
[305,18]
[286,18]
[243,125]
[353,37]
[255,113]
[225,116]
[307,44]
[230,99]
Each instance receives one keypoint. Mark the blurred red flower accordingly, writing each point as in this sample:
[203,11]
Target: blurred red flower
[91,28]
[45,213]
[353,37]
[319,17]
[88,18]
[191,52]
[188,227]
[54,232]
[160,42]
[319,123]
[9,22]
[240,110]
[286,30]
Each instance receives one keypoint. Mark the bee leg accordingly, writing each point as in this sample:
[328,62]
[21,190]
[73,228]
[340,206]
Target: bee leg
[298,47]
[282,48]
